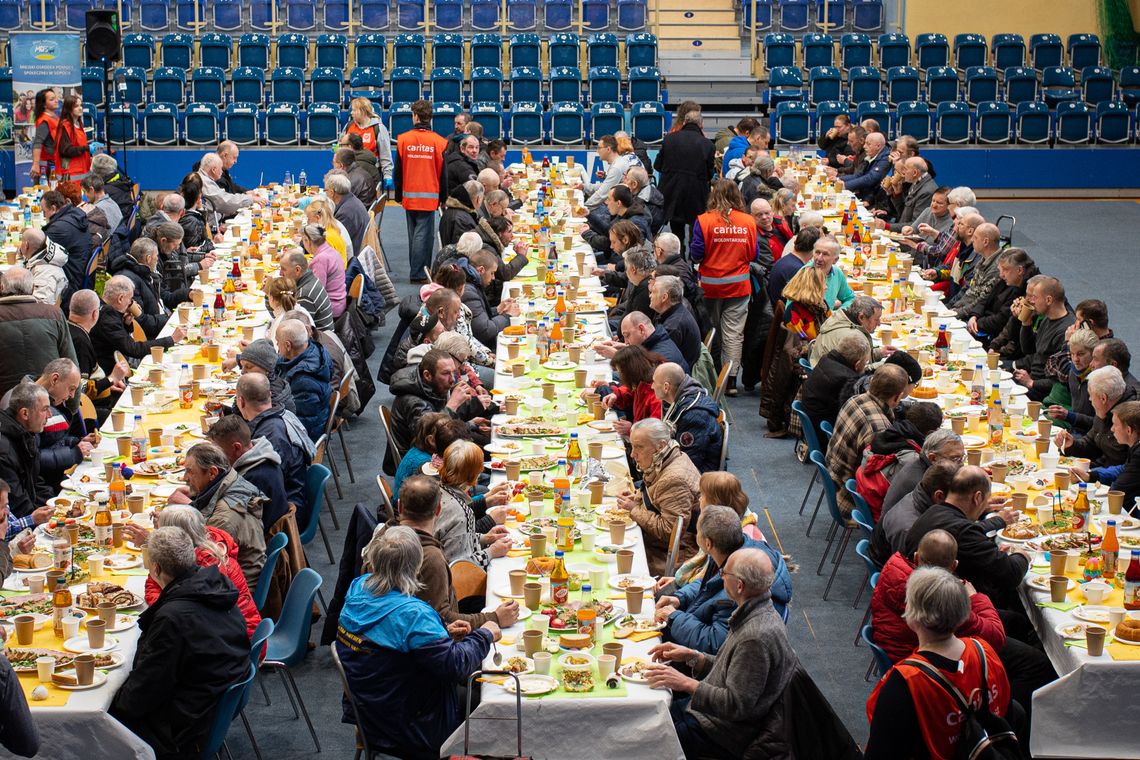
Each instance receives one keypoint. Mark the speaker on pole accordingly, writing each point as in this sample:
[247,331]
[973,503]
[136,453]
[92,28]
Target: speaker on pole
[104,37]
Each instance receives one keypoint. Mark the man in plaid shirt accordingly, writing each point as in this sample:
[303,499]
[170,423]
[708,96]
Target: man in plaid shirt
[859,419]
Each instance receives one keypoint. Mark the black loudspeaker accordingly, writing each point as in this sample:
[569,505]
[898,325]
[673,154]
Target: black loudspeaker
[104,38]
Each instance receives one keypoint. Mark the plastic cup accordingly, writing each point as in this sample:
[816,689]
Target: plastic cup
[532,642]
[1094,638]
[1057,560]
[95,565]
[588,536]
[25,629]
[617,534]
[538,546]
[532,594]
[624,561]
[70,627]
[85,669]
[607,663]
[542,661]
[45,666]
[96,633]
[597,488]
[107,612]
[613,648]
[1058,587]
[518,580]
[35,584]
[634,597]
[1116,616]
[1115,502]
[537,507]
[597,579]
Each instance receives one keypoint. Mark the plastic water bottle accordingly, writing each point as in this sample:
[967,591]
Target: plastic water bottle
[288,178]
[301,179]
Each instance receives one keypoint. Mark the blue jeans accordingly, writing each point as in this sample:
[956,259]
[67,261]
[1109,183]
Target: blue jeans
[421,241]
[694,741]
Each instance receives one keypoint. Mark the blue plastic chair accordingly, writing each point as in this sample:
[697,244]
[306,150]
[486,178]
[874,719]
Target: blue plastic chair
[902,84]
[448,14]
[644,84]
[136,85]
[601,50]
[487,50]
[1046,50]
[831,15]
[894,50]
[604,84]
[242,123]
[178,50]
[283,124]
[443,117]
[785,83]
[567,123]
[1097,85]
[293,51]
[522,15]
[262,13]
[366,78]
[138,50]
[914,118]
[323,125]
[288,644]
[557,15]
[160,124]
[447,85]
[1020,85]
[1034,123]
[490,115]
[487,85]
[606,118]
[169,85]
[970,50]
[595,14]
[631,15]
[825,83]
[855,50]
[332,51]
[247,85]
[864,83]
[1113,123]
[1130,85]
[375,14]
[93,120]
[407,84]
[315,478]
[287,85]
[526,123]
[446,51]
[202,124]
[863,549]
[794,15]
[981,85]
[208,85]
[122,123]
[762,10]
[326,85]
[1008,51]
[952,123]
[190,15]
[1074,123]
[372,51]
[564,49]
[485,14]
[873,109]
[941,85]
[792,123]
[818,50]
[76,13]
[525,51]
[861,514]
[408,51]
[301,15]
[648,121]
[154,15]
[841,529]
[826,112]
[1084,50]
[227,15]
[399,119]
[931,49]
[1059,85]
[867,15]
[812,441]
[253,50]
[565,85]
[779,50]
[215,49]
[994,123]
[225,712]
[257,642]
[91,85]
[335,14]
[526,85]
[640,50]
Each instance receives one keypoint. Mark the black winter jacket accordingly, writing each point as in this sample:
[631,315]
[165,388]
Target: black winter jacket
[112,334]
[148,294]
[69,228]
[821,390]
[20,467]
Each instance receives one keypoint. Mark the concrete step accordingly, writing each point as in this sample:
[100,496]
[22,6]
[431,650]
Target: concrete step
[699,16]
[679,44]
[700,63]
[688,5]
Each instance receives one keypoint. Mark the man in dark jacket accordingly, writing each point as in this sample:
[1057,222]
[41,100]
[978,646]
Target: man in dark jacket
[32,333]
[940,445]
[348,210]
[29,407]
[1107,390]
[103,390]
[666,298]
[987,319]
[685,162]
[834,140]
[260,357]
[891,530]
[307,367]
[193,646]
[692,413]
[256,461]
[1043,328]
[620,203]
[638,330]
[431,386]
[113,330]
[461,212]
[365,159]
[139,267]
[637,180]
[265,420]
[917,200]
[486,321]
[821,395]
[67,226]
[867,184]
[360,179]
[892,449]
[116,183]
[462,165]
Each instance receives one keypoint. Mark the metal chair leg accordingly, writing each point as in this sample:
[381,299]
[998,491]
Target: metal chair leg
[862,588]
[332,514]
[815,512]
[249,732]
[835,567]
[285,683]
[826,550]
[325,538]
[863,622]
[264,691]
[335,472]
[304,712]
[870,669]
[321,599]
[807,493]
[347,457]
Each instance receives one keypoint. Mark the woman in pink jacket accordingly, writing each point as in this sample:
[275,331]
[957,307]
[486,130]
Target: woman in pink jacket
[326,264]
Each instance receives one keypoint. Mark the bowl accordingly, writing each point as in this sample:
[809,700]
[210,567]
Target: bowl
[1095,591]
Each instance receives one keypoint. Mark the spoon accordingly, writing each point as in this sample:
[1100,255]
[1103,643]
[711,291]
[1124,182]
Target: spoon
[497,658]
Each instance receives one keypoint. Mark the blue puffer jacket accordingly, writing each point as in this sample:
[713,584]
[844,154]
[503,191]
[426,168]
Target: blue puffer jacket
[403,669]
[701,619]
[695,428]
[309,376]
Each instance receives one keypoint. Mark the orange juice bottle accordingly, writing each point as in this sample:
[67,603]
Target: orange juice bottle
[559,579]
[1110,551]
[117,488]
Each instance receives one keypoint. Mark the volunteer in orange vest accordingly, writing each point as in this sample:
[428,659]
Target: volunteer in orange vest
[421,186]
[43,144]
[723,245]
[73,154]
[373,134]
[912,713]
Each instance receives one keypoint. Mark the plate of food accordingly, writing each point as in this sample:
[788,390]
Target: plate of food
[531,684]
[68,680]
[502,447]
[633,670]
[613,514]
[629,625]
[565,616]
[80,645]
[625,580]
[517,664]
[560,364]
[32,604]
[1071,631]
[560,377]
[157,468]
[529,464]
[1092,613]
[1129,542]
[530,430]
[1127,632]
[114,562]
[608,552]
[1040,582]
[602,426]
[98,592]
[1020,532]
[122,623]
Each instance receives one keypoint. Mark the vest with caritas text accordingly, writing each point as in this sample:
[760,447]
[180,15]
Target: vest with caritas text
[729,247]
[367,134]
[421,163]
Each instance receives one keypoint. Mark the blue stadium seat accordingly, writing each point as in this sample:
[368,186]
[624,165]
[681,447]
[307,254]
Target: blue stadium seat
[446,51]
[253,50]
[247,85]
[190,15]
[854,50]
[332,51]
[864,83]
[160,124]
[208,85]
[485,14]
[372,50]
[1074,123]
[1130,84]
[44,13]
[215,49]
[1046,50]
[122,124]
[366,78]
[287,85]
[564,49]
[601,50]
[293,51]
[526,123]
[794,15]
[792,123]
[567,123]
[76,13]
[826,112]
[874,109]
[136,85]
[490,115]
[606,118]
[399,120]
[824,83]
[913,118]
[522,15]
[566,84]
[301,15]
[969,50]
[93,120]
[406,84]
[443,117]
[1034,122]
[227,15]
[1020,85]
[525,50]
[326,85]
[446,85]
[631,15]
[931,49]
[831,15]
[526,85]
[762,9]
[779,50]
[92,84]
[894,50]
[138,50]
[178,50]
[1008,51]
[867,15]
[640,50]
[169,85]
[644,84]
[902,84]
[1059,85]
[603,83]
[1084,51]
[154,15]
[410,14]
[1113,123]
[487,85]
[595,15]
[784,83]
[952,123]
[264,14]
[283,124]
[941,85]
[994,123]
[242,122]
[336,16]
[487,50]
[981,84]
[557,15]
[323,124]
[448,14]
[202,124]
[648,122]
[408,51]
[818,50]
[1097,85]
[375,15]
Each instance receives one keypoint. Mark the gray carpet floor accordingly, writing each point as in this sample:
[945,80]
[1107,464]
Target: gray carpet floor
[1089,245]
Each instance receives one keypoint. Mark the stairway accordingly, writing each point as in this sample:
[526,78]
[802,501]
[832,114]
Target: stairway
[702,54]
[712,26]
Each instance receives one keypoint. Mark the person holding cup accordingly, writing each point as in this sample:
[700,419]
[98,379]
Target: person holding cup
[116,320]
[455,528]
[1107,389]
[1123,477]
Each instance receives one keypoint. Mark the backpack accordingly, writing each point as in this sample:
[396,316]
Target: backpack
[983,736]
[872,478]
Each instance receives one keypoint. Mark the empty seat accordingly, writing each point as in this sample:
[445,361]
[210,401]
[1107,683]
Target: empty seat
[981,84]
[631,15]
[326,85]
[952,123]
[226,15]
[854,50]
[648,122]
[332,51]
[283,124]
[522,15]
[1046,50]
[902,84]
[1034,122]
[824,83]
[557,14]
[448,14]
[264,15]
[215,49]
[410,14]
[761,10]
[447,85]
[874,109]
[864,83]
[794,15]
[190,15]
[1059,85]
[867,15]
[154,15]
[830,14]
[446,50]
[1020,85]
[931,50]
[604,83]
[644,84]
[994,122]
[779,50]
[894,50]
[601,50]
[490,115]
[242,123]
[640,50]
[526,123]
[122,123]
[487,85]
[567,123]
[406,84]
[374,15]
[969,50]
[525,50]
[288,85]
[93,121]
[301,15]
[177,50]
[138,50]
[408,51]
[941,85]
[1084,50]
[253,50]
[1074,123]
[487,50]
[1097,85]
[130,86]
[1113,123]
[371,50]
[247,84]
[1130,85]
[784,83]
[335,14]
[485,14]
[208,85]
[76,13]
[564,49]
[792,123]
[92,84]
[202,124]
[293,50]
[606,118]
[595,15]
[399,120]
[366,78]
[1008,51]
[160,124]
[169,86]
[818,50]
[323,124]
[565,85]
[913,118]
[526,85]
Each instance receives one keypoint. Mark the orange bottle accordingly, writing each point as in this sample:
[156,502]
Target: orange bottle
[1109,551]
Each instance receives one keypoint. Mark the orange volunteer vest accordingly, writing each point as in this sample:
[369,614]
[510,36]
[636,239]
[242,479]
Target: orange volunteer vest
[729,247]
[421,162]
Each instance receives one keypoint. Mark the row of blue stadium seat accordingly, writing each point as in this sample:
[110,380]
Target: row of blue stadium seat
[176,50]
[798,15]
[1017,84]
[1075,123]
[404,85]
[330,15]
[931,50]
[567,123]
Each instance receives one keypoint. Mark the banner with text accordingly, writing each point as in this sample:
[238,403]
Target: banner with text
[41,62]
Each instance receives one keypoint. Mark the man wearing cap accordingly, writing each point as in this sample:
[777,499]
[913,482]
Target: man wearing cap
[902,359]
[260,357]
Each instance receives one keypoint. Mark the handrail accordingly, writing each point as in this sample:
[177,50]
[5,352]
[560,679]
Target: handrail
[581,17]
[752,53]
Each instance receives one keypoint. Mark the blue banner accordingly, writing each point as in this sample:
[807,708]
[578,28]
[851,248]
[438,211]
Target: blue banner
[45,65]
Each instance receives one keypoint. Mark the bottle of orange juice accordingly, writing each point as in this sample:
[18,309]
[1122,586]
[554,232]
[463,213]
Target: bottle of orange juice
[1110,551]
[559,579]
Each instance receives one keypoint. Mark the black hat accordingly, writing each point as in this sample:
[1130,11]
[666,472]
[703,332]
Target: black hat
[908,363]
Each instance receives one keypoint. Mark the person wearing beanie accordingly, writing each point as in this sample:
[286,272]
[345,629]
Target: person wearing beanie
[261,357]
[901,359]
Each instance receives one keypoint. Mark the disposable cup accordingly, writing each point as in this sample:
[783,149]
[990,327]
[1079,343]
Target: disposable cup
[70,627]
[95,565]
[85,669]
[1057,560]
[634,597]
[624,561]
[617,533]
[45,666]
[1115,502]
[542,662]
[107,613]
[35,584]
[1058,587]
[518,580]
[607,663]
[96,633]
[25,629]
[1094,638]
[532,642]
[537,546]
[532,594]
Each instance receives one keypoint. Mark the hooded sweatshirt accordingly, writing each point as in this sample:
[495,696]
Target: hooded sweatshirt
[49,274]
[693,417]
[261,466]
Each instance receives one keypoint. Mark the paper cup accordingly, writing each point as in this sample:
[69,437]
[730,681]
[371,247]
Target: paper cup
[136,503]
[595,449]
[1058,588]
[634,597]
[580,378]
[1057,560]
[613,648]
[542,661]
[45,666]
[539,623]
[513,468]
[1116,617]
[1062,480]
[1094,638]
[198,372]
[1115,502]
[597,488]
[518,580]
[107,613]
[532,592]
[532,642]
[598,410]
[124,446]
[119,419]
[607,663]
[1041,445]
[992,360]
[538,546]
[597,579]
[35,584]
[85,669]
[1044,428]
[1033,409]
[154,437]
[1020,500]
[617,535]
[70,627]
[25,629]
[197,297]
[974,457]
[95,565]
[624,561]
[213,353]
[511,405]
[588,537]
[155,376]
[958,425]
[96,633]
[999,470]
[138,395]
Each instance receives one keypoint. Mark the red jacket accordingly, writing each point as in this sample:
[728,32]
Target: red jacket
[889,601]
[643,401]
[231,570]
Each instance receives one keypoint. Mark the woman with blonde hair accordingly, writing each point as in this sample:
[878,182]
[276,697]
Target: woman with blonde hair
[319,212]
[456,527]
[281,293]
[373,134]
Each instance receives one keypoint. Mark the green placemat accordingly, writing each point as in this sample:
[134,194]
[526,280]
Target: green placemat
[600,688]
[138,571]
[1062,606]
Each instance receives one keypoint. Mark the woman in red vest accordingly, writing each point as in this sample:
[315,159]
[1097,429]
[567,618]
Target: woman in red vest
[73,155]
[43,144]
[723,245]
[913,715]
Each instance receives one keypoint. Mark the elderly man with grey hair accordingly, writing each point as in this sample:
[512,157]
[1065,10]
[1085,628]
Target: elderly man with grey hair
[29,406]
[360,179]
[311,294]
[667,300]
[116,183]
[192,648]
[917,200]
[1107,390]
[178,264]
[46,260]
[226,204]
[639,182]
[151,294]
[102,389]
[307,367]
[640,266]
[728,704]
[114,330]
[32,332]
[347,208]
[671,261]
[942,445]
[861,316]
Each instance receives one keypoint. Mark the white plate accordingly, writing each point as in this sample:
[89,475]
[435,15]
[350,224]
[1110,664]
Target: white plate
[1112,637]
[532,684]
[489,664]
[123,623]
[631,677]
[79,645]
[1092,613]
[612,452]
[502,448]
[973,441]
[504,592]
[1040,582]
[122,561]
[642,580]
[99,680]
[559,364]
[560,377]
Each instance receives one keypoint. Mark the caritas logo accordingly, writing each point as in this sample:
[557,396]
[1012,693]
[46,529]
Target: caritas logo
[425,149]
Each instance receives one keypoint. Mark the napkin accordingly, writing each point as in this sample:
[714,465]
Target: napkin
[132,571]
[1062,606]
[1079,643]
[518,553]
[1122,651]
[644,635]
